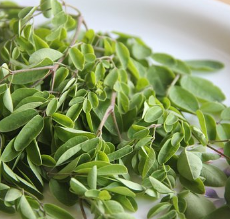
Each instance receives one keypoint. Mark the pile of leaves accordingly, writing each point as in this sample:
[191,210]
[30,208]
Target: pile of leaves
[102,119]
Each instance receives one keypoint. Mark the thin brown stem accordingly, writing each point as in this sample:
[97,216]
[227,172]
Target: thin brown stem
[219,141]
[80,20]
[116,125]
[37,82]
[154,126]
[82,209]
[173,83]
[110,110]
[4,77]
[32,69]
[220,153]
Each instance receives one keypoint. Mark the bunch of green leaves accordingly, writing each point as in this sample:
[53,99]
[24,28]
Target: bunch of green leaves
[103,120]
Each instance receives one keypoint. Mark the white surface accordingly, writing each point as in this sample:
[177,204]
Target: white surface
[187,29]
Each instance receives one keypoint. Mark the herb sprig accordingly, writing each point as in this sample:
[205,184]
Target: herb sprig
[103,120]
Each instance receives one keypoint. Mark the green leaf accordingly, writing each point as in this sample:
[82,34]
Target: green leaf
[124,151]
[220,213]
[74,111]
[60,18]
[35,170]
[197,206]
[121,190]
[68,145]
[196,185]
[91,164]
[189,165]
[159,186]
[92,178]
[181,68]
[25,209]
[223,131]
[123,102]
[227,192]
[164,59]
[150,160]
[121,216]
[93,99]
[131,185]
[202,88]
[111,78]
[60,76]
[61,192]
[127,202]
[86,106]
[21,93]
[202,122]
[32,75]
[99,72]
[45,7]
[65,134]
[51,107]
[199,135]
[227,150]
[30,131]
[171,119]
[77,187]
[12,195]
[114,169]
[63,120]
[3,88]
[183,99]
[74,149]
[41,54]
[167,151]
[56,212]
[153,113]
[34,154]
[211,107]
[113,207]
[77,58]
[160,77]
[205,65]
[169,215]
[9,152]
[48,161]
[225,114]
[56,7]
[140,51]
[213,176]
[158,208]
[123,54]
[16,120]
[90,79]
[7,100]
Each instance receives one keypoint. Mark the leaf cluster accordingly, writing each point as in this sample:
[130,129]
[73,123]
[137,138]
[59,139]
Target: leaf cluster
[103,120]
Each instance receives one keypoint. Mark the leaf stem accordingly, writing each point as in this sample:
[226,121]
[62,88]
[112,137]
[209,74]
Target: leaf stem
[116,125]
[219,141]
[32,69]
[110,110]
[220,153]
[82,208]
[173,83]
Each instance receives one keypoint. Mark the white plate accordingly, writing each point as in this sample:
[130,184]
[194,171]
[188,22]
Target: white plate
[187,29]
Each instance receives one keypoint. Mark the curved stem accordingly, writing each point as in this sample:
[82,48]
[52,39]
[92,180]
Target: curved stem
[220,153]
[108,112]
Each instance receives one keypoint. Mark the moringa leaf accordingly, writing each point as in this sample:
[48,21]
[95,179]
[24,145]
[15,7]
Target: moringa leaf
[189,165]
